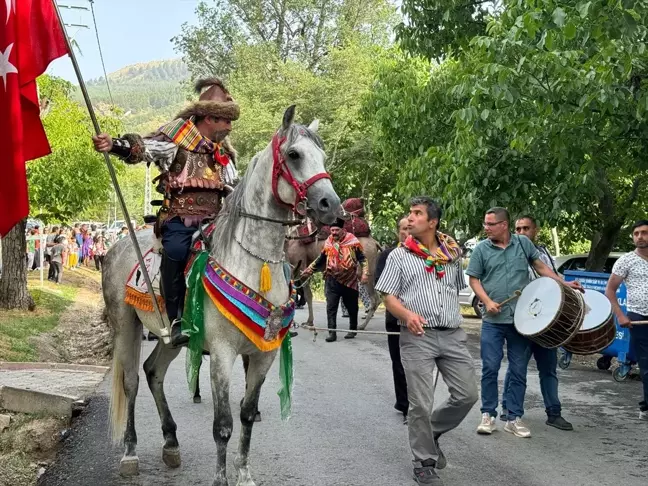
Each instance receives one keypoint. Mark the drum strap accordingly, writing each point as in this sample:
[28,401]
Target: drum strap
[529,262]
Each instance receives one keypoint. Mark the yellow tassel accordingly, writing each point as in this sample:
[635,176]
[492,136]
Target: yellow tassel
[265,283]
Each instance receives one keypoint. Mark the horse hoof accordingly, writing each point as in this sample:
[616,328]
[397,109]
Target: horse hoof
[197,399]
[171,457]
[257,417]
[129,466]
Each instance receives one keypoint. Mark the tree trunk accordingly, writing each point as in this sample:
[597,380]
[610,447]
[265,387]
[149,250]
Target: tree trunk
[13,283]
[602,246]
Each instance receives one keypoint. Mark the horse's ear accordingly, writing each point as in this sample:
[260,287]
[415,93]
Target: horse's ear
[314,126]
[288,117]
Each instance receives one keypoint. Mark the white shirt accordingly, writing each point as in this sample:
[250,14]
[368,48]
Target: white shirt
[634,271]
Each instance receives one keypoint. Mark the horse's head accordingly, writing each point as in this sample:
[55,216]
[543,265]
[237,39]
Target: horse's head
[299,179]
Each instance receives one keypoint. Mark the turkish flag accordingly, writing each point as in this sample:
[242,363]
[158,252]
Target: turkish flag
[30,38]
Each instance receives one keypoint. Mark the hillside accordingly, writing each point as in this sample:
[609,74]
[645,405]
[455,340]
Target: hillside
[149,93]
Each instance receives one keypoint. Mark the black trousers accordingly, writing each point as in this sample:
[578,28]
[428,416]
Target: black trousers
[99,260]
[56,270]
[400,383]
[335,291]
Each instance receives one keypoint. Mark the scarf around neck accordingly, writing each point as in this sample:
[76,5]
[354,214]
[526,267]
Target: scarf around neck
[186,135]
[339,253]
[447,252]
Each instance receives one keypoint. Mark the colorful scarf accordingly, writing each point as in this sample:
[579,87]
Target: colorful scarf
[340,254]
[447,252]
[186,135]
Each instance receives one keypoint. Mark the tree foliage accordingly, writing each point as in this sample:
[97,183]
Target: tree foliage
[74,176]
[545,113]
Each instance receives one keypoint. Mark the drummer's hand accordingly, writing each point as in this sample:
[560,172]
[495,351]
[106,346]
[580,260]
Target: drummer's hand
[307,272]
[576,285]
[625,322]
[492,307]
[415,324]
[102,142]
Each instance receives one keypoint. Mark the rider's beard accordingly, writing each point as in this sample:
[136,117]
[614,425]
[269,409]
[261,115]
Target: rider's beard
[219,135]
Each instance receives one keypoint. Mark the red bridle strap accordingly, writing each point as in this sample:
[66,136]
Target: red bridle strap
[281,170]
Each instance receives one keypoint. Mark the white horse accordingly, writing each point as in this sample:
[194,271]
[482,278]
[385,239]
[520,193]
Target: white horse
[248,232]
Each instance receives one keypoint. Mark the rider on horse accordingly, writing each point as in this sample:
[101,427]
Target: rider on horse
[196,161]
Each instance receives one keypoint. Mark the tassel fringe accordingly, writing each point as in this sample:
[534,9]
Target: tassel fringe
[265,282]
[142,301]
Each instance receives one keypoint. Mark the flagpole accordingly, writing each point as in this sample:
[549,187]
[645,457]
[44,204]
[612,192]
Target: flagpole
[165,330]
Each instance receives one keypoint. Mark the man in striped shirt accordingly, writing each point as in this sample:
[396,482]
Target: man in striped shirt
[421,283]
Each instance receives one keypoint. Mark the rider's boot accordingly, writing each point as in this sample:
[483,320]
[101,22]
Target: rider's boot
[173,284]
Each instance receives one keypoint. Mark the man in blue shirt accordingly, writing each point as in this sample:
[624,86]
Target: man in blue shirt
[498,267]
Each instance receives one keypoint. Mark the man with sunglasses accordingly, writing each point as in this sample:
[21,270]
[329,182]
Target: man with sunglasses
[546,359]
[498,267]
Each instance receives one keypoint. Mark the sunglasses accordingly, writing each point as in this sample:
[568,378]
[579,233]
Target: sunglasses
[490,225]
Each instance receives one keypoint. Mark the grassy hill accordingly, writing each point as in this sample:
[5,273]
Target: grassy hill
[149,93]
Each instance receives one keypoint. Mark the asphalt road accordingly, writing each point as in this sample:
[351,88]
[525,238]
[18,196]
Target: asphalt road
[344,431]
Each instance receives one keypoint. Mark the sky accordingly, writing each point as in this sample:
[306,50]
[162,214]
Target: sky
[130,31]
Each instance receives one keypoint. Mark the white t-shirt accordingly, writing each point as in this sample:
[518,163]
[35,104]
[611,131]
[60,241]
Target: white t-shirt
[634,271]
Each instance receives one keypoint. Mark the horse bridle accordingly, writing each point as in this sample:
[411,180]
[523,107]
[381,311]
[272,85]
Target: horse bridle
[280,170]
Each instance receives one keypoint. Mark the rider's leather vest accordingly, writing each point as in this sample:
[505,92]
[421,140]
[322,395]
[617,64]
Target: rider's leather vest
[192,186]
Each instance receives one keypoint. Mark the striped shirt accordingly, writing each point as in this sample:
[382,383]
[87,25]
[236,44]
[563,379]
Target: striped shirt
[434,299]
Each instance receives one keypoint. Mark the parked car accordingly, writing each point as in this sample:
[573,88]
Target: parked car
[565,262]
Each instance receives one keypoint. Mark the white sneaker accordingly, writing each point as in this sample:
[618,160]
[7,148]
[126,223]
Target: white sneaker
[487,425]
[517,428]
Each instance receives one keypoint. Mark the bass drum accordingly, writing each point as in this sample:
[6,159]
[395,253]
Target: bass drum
[598,330]
[549,313]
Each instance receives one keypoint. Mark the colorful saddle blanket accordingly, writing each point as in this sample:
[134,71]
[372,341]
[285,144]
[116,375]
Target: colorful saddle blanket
[137,293]
[262,322]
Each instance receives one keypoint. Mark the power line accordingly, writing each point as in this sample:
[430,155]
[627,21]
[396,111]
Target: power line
[103,65]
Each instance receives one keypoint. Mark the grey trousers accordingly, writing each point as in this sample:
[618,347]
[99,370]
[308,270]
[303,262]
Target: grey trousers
[420,355]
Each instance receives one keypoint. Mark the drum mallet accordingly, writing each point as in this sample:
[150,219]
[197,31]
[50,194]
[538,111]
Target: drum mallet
[638,323]
[515,295]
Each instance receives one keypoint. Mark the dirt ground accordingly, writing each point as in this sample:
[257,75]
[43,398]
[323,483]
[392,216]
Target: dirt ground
[83,336]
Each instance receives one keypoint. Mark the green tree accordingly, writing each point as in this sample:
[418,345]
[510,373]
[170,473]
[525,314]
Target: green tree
[546,114]
[74,176]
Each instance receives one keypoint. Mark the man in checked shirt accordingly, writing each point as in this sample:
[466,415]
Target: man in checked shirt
[420,284]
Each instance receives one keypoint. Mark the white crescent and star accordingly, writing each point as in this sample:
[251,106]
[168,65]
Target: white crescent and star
[10,4]
[5,66]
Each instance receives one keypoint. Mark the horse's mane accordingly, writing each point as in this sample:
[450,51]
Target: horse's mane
[230,213]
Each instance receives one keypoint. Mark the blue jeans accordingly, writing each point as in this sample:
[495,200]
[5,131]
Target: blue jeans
[518,349]
[546,361]
[639,343]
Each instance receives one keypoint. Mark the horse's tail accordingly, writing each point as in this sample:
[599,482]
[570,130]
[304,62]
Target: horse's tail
[126,352]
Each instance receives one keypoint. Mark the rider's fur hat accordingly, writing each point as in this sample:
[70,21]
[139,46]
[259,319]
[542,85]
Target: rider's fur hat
[214,101]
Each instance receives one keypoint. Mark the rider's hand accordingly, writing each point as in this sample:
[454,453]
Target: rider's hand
[625,322]
[102,143]
[492,307]
[576,285]
[415,324]
[307,272]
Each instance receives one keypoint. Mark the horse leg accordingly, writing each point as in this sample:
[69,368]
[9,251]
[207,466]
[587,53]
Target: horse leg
[260,363]
[246,366]
[155,368]
[197,398]
[126,356]
[222,359]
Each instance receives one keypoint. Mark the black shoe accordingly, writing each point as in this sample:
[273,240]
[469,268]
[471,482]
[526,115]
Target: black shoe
[152,337]
[350,335]
[441,461]
[293,333]
[177,338]
[331,337]
[559,422]
[427,476]
[405,421]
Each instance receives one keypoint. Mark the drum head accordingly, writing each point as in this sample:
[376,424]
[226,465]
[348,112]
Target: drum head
[538,306]
[597,311]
